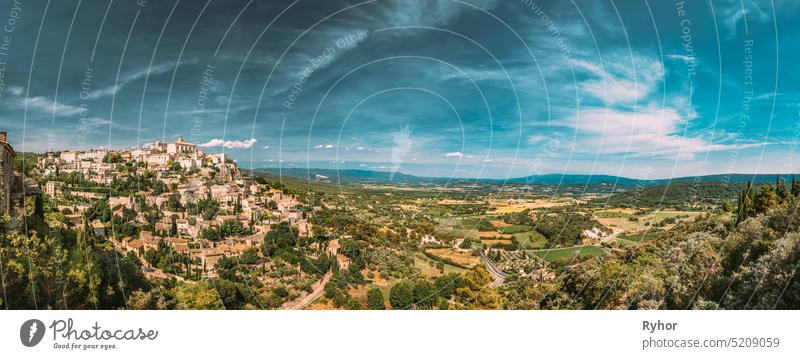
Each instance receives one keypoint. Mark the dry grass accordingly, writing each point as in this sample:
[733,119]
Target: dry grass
[639,226]
[504,207]
[321,306]
[496,241]
[499,224]
[463,258]
[495,234]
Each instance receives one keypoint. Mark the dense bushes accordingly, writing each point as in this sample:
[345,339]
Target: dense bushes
[709,263]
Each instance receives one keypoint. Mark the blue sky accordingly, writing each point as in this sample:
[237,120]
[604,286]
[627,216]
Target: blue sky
[473,88]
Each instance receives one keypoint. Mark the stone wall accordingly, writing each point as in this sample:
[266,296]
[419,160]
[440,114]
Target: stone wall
[6,174]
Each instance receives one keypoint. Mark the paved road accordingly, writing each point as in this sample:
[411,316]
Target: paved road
[499,276]
[317,290]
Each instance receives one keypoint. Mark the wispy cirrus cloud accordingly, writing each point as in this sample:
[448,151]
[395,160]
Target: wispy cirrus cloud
[44,104]
[138,75]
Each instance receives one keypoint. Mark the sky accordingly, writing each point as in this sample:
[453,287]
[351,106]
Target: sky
[445,88]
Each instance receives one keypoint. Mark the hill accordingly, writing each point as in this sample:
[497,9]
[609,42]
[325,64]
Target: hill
[358,176]
[678,195]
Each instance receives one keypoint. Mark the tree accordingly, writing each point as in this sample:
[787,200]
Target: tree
[727,207]
[228,293]
[745,207]
[249,256]
[113,157]
[350,249]
[765,200]
[401,296]
[280,236]
[173,229]
[174,203]
[447,284]
[354,304]
[424,295]
[375,300]
[159,188]
[199,296]
[38,207]
[780,189]
[174,166]
[795,187]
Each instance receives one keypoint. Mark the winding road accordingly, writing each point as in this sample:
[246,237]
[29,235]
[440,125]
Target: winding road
[499,276]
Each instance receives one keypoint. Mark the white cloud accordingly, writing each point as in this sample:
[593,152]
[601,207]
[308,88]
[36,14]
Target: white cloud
[429,13]
[266,147]
[650,132]
[328,146]
[621,79]
[229,144]
[454,154]
[735,11]
[45,105]
[15,90]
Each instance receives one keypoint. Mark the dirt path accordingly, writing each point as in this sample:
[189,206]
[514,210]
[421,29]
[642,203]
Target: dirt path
[317,290]
[614,233]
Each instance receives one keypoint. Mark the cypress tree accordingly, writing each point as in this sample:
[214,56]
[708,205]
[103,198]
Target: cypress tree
[745,204]
[780,189]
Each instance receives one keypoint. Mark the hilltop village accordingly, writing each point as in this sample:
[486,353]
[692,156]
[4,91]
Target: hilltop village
[168,196]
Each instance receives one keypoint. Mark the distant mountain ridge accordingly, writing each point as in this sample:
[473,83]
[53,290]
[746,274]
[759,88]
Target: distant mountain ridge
[383,177]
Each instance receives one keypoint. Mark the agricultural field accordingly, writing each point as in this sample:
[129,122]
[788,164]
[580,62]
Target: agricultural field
[633,221]
[514,229]
[530,240]
[456,257]
[626,239]
[568,253]
[519,205]
[431,268]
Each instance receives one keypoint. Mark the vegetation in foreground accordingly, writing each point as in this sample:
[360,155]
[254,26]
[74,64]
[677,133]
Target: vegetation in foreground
[740,256]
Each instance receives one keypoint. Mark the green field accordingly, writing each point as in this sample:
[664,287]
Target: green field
[514,229]
[424,264]
[530,240]
[639,237]
[566,253]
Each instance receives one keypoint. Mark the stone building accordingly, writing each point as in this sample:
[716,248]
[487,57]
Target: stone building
[180,147]
[53,188]
[7,178]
